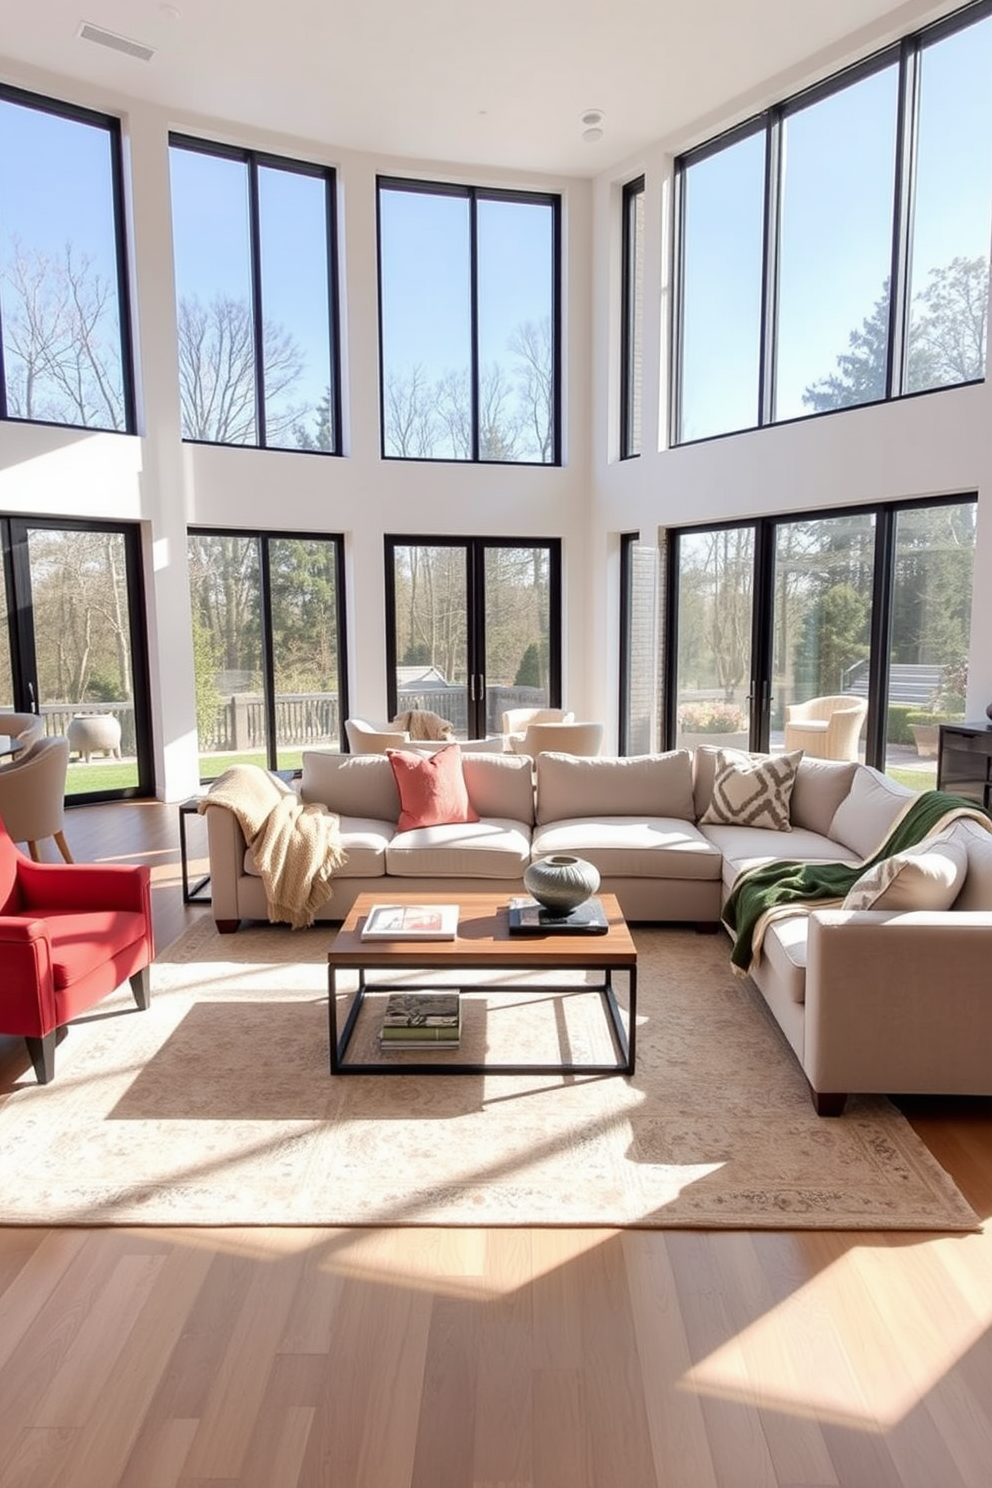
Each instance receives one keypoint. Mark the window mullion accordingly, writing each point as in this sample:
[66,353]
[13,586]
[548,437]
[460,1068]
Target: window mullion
[770,267]
[255,237]
[902,218]
[475,390]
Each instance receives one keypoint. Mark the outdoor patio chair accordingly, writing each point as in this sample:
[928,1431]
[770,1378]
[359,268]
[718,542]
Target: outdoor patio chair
[826,727]
[32,795]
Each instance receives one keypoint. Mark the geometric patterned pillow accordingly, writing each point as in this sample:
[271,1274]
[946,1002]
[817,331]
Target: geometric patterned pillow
[927,876]
[749,792]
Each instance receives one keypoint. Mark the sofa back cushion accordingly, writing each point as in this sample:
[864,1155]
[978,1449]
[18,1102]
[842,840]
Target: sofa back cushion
[821,785]
[639,785]
[351,784]
[500,786]
[866,816]
[976,892]
[363,785]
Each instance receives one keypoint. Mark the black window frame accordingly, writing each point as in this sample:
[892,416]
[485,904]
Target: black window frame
[253,159]
[630,246]
[475,549]
[475,194]
[886,515]
[905,54]
[264,537]
[112,126]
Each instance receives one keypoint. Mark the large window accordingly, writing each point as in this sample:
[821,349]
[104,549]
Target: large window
[469,323]
[864,611]
[255,298]
[632,318]
[473,628]
[73,646]
[268,646]
[834,251]
[64,328]
[721,238]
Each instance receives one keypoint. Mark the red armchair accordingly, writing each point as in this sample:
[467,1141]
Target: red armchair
[69,935]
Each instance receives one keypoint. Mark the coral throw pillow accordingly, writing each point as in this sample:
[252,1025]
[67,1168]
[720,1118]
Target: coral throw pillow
[432,788]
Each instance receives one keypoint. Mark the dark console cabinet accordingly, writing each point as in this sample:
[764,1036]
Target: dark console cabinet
[964,764]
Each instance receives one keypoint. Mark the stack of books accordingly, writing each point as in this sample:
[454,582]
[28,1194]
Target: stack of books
[422,1020]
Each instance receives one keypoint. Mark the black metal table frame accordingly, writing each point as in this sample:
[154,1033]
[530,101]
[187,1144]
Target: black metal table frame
[623,1038]
[192,893]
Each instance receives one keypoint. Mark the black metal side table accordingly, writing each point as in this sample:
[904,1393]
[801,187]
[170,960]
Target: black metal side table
[192,893]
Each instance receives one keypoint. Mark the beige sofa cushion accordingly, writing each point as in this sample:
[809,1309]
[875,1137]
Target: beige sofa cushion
[482,849]
[976,892]
[351,784]
[640,785]
[634,847]
[866,816]
[363,785]
[821,785]
[500,785]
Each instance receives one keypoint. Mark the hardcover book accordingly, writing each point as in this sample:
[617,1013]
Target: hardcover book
[422,1020]
[527,917]
[411,922]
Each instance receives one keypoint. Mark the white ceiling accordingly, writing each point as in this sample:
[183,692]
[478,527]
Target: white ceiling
[454,80]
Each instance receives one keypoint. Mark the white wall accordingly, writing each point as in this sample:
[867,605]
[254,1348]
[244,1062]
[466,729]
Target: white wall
[166,485]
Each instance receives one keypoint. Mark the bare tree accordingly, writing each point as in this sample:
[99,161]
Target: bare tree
[217,372]
[531,344]
[61,339]
[410,414]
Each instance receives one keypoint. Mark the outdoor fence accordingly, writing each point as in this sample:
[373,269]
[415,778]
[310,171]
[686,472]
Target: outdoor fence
[303,719]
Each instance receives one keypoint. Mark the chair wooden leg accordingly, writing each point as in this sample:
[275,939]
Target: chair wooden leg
[42,1052]
[141,988]
[33,850]
[63,846]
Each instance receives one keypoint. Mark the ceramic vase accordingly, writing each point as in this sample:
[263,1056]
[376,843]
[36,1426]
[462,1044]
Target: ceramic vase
[561,882]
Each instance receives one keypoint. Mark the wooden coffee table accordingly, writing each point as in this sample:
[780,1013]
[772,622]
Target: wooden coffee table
[483,943]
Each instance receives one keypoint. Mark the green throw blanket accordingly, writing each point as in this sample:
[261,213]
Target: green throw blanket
[791,887]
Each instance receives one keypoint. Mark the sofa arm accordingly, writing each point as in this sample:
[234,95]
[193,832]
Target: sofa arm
[899,1002]
[226,847]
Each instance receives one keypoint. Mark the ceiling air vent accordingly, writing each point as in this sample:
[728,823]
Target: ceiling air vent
[89,32]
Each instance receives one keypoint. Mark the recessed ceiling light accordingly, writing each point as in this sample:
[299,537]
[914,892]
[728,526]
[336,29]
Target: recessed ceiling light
[592,135]
[592,117]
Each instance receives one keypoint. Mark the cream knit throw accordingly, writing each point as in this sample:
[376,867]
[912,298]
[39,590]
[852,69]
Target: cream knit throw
[296,847]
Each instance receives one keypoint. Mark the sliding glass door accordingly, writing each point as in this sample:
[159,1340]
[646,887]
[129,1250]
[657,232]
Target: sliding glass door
[73,603]
[473,628]
[857,623]
[268,644]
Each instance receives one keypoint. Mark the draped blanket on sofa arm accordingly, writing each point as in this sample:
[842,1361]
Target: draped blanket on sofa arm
[775,890]
[296,847]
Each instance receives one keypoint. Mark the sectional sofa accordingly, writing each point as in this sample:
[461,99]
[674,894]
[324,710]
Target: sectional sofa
[869,1000]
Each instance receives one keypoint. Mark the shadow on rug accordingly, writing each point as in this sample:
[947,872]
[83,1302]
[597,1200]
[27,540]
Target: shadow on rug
[216,1107]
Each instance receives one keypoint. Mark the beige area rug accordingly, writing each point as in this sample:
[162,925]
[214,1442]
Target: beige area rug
[216,1107]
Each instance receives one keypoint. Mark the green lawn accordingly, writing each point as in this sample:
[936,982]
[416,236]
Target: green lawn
[113,775]
[918,780]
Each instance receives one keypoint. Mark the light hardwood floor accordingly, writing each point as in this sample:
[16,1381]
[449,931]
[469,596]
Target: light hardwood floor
[267,1358]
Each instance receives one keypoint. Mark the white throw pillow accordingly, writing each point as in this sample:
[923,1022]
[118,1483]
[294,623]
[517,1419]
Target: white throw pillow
[928,876]
[749,792]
